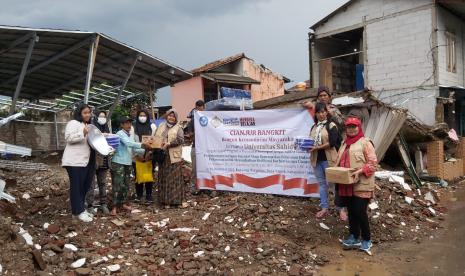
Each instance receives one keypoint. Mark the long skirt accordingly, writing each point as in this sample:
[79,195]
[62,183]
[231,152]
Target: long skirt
[171,183]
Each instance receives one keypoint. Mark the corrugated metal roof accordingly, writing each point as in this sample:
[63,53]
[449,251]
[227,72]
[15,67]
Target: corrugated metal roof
[47,79]
[229,78]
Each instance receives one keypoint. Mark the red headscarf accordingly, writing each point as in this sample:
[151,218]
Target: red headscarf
[353,139]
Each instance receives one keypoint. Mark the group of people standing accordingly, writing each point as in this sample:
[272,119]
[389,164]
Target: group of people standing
[83,164]
[338,142]
[342,143]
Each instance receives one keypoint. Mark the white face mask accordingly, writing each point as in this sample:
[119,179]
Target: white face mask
[102,120]
[142,119]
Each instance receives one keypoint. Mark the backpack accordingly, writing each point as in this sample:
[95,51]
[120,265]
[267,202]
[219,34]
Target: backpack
[339,132]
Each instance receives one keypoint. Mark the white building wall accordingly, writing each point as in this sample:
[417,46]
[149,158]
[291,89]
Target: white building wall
[399,52]
[451,23]
[371,9]
[420,103]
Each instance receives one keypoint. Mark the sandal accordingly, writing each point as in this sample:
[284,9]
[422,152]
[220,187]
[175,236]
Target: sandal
[322,213]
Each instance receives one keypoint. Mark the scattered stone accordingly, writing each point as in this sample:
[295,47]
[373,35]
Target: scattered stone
[79,263]
[117,222]
[83,271]
[53,229]
[295,269]
[71,247]
[39,260]
[324,226]
[113,268]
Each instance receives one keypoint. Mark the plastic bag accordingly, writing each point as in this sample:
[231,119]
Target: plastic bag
[144,172]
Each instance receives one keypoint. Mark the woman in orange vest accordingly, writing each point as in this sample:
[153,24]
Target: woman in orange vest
[357,152]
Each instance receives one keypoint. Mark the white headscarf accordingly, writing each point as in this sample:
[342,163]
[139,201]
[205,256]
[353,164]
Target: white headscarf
[319,127]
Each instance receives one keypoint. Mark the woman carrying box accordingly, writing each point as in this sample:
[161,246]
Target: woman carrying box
[324,154]
[357,152]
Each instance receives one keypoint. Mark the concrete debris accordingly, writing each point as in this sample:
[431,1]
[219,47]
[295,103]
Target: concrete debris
[79,263]
[387,174]
[26,196]
[324,226]
[71,234]
[117,222]
[39,259]
[432,210]
[205,217]
[199,254]
[184,229]
[373,205]
[161,223]
[113,268]
[26,236]
[71,247]
[429,197]
[252,233]
[408,199]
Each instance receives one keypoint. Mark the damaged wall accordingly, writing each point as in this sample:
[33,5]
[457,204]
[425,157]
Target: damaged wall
[184,95]
[271,84]
[35,135]
[352,16]
[417,101]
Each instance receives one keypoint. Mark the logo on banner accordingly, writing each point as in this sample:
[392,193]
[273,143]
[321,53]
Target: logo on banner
[231,122]
[216,122]
[247,121]
[203,121]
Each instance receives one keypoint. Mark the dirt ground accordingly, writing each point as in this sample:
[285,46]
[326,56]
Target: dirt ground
[439,254]
[225,234]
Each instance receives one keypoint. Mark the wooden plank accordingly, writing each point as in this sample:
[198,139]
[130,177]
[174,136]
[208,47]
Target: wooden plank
[326,73]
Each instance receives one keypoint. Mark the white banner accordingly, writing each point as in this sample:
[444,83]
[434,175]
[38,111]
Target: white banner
[253,151]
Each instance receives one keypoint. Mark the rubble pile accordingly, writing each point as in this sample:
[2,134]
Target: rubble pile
[235,233]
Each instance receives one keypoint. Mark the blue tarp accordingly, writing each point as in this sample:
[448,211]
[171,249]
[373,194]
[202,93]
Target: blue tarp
[235,93]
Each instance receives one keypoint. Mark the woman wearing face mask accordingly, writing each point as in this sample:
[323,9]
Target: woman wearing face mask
[79,161]
[170,178]
[102,169]
[143,127]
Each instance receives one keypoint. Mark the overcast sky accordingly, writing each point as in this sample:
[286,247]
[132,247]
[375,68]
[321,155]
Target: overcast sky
[189,33]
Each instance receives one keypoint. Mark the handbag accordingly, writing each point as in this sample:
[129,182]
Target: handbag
[159,155]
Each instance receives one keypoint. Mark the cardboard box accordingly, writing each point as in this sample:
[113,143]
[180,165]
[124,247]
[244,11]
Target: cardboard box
[155,142]
[340,175]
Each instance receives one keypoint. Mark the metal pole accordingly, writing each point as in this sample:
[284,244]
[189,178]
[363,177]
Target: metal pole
[151,94]
[90,67]
[116,101]
[19,85]
[56,131]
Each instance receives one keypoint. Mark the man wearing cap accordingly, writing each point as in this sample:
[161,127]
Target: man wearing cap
[122,163]
[199,106]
